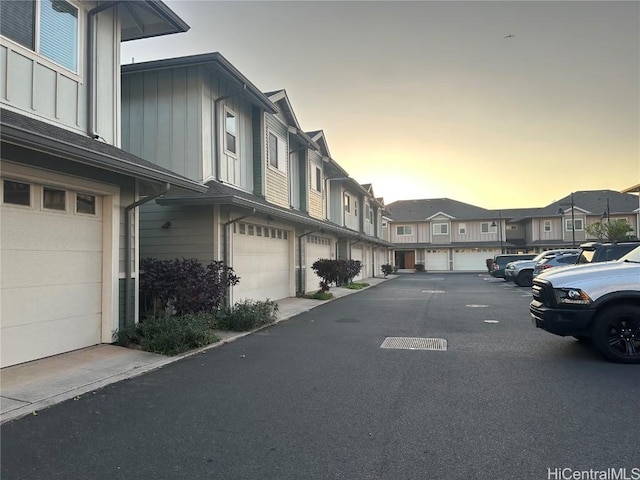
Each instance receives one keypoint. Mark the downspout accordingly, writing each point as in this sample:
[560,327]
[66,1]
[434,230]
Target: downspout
[127,251]
[216,126]
[300,286]
[91,67]
[225,245]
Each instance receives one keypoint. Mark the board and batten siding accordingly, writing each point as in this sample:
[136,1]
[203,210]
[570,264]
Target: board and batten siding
[473,229]
[316,202]
[162,120]
[277,182]
[191,232]
[39,87]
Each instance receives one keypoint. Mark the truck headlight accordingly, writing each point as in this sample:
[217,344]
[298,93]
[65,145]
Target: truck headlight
[572,296]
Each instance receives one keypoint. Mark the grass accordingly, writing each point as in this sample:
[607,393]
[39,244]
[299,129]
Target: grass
[319,296]
[357,286]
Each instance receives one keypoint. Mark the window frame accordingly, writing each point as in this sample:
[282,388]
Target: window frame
[228,112]
[404,233]
[66,200]
[280,152]
[76,211]
[347,202]
[545,224]
[490,230]
[18,205]
[462,229]
[567,224]
[36,51]
[440,224]
[318,185]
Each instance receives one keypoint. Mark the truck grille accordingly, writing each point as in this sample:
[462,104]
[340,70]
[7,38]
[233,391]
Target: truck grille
[539,294]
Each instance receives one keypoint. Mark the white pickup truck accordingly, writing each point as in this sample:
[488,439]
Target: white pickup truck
[595,301]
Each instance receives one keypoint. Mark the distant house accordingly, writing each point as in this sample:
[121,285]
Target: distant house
[265,211]
[68,192]
[444,234]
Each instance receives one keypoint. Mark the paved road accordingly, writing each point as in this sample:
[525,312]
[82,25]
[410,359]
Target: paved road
[317,398]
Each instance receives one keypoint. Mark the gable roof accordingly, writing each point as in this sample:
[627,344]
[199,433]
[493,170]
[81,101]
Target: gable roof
[593,202]
[26,132]
[281,100]
[420,210]
[214,61]
[319,137]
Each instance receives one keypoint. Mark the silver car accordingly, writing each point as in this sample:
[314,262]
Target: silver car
[553,262]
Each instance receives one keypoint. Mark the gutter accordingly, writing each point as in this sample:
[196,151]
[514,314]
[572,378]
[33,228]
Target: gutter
[128,320]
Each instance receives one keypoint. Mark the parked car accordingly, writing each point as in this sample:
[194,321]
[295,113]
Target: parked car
[500,261]
[596,301]
[553,262]
[604,252]
[522,272]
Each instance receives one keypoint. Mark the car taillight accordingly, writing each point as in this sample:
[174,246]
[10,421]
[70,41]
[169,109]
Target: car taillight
[544,267]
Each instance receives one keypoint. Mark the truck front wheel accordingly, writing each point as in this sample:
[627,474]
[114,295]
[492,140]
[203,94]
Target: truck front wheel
[616,333]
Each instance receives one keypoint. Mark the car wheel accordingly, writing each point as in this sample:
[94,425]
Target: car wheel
[616,333]
[525,278]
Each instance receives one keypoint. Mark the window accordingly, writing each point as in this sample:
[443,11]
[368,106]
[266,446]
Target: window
[277,152]
[547,226]
[85,204]
[462,228]
[54,199]
[49,28]
[487,227]
[259,231]
[249,229]
[578,225]
[231,132]
[367,212]
[243,228]
[440,228]
[404,230]
[16,193]
[355,207]
[347,203]
[318,179]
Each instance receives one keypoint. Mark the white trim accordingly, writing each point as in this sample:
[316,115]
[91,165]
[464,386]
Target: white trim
[224,130]
[439,224]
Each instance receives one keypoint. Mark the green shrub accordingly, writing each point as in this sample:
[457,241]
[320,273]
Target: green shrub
[169,335]
[419,267]
[386,269]
[339,272]
[396,269]
[320,295]
[248,315]
[357,286]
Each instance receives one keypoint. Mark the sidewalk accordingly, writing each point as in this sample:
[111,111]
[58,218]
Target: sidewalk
[27,388]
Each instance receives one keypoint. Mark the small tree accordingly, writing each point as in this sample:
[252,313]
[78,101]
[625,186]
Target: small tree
[386,269]
[338,272]
[613,231]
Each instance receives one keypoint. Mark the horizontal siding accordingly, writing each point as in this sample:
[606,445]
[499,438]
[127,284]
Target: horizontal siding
[316,202]
[191,234]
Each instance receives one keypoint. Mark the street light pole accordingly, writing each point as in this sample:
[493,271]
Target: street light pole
[500,231]
[573,223]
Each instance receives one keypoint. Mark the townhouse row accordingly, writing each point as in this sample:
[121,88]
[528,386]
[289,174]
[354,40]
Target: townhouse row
[102,166]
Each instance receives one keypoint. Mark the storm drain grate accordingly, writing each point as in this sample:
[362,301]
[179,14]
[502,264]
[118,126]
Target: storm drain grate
[413,343]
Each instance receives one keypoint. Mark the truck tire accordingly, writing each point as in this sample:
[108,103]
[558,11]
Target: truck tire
[524,278]
[616,333]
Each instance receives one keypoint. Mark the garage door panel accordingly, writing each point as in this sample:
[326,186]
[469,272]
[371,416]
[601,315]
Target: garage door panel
[50,338]
[471,260]
[24,230]
[51,303]
[437,261]
[41,268]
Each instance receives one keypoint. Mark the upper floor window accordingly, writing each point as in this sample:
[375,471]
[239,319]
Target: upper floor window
[486,227]
[277,152]
[367,212]
[347,203]
[462,228]
[355,207]
[579,226]
[318,183]
[49,28]
[231,132]
[404,230]
[547,226]
[440,228]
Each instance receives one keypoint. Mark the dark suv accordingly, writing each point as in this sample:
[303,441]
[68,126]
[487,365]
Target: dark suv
[500,261]
[596,252]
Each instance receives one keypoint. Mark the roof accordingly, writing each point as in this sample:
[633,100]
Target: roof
[222,194]
[213,60]
[27,132]
[420,210]
[592,202]
[149,18]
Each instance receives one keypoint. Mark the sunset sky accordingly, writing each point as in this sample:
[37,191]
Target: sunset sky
[429,100]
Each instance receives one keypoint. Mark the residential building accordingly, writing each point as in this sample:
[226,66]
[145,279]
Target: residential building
[444,234]
[265,212]
[68,192]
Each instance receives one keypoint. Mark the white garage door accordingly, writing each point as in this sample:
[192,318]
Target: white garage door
[356,254]
[437,260]
[317,247]
[262,260]
[471,260]
[51,273]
